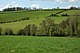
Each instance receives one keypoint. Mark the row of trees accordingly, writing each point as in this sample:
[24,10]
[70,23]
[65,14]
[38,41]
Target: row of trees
[35,8]
[69,27]
[13,9]
[26,18]
[21,8]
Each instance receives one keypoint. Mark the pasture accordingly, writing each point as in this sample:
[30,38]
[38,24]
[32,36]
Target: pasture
[35,17]
[16,15]
[26,44]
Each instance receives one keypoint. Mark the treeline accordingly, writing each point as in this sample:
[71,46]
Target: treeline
[37,9]
[13,9]
[26,18]
[56,14]
[69,27]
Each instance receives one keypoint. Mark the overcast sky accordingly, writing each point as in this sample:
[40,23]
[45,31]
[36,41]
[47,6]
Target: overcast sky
[39,3]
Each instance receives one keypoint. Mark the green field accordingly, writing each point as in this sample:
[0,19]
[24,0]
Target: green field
[25,44]
[33,15]
[16,15]
[71,12]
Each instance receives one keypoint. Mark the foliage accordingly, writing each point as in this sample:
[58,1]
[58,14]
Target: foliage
[9,31]
[0,30]
[21,32]
[71,25]
[27,30]
[33,29]
[48,25]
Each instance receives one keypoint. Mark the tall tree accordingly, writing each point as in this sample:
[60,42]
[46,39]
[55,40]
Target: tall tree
[0,30]
[9,31]
[33,29]
[27,30]
[48,25]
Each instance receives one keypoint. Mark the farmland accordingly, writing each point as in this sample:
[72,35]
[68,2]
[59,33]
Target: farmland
[39,26]
[16,15]
[25,44]
[35,17]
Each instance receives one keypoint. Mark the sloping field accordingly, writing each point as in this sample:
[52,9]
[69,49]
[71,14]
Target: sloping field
[25,44]
[8,16]
[71,12]
[33,15]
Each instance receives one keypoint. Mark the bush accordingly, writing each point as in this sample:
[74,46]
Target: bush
[27,30]
[8,32]
[21,32]
[0,31]
[65,14]
[25,18]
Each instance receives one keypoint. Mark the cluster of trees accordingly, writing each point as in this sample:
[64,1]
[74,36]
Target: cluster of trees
[35,8]
[78,8]
[56,14]
[28,30]
[20,8]
[13,9]
[65,14]
[26,18]
[69,27]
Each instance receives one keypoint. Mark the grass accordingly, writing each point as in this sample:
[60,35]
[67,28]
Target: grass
[16,26]
[16,15]
[71,12]
[33,15]
[8,16]
[25,44]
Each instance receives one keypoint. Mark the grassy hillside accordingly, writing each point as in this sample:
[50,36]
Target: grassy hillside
[8,16]
[18,44]
[33,15]
[71,12]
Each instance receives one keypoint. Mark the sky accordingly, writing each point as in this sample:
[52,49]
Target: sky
[39,3]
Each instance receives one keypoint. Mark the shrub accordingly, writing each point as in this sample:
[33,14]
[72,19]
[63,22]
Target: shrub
[27,30]
[21,32]
[33,29]
[0,30]
[8,32]
[65,14]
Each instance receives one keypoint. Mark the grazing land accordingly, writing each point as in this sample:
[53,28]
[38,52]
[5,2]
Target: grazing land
[35,17]
[26,44]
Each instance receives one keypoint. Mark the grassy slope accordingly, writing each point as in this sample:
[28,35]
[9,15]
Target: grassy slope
[18,44]
[22,14]
[15,26]
[71,12]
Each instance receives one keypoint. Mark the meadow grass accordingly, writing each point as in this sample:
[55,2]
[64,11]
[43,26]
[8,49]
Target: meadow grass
[8,16]
[71,12]
[26,44]
[33,15]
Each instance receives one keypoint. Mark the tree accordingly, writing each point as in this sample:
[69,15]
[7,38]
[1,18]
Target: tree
[8,32]
[48,25]
[71,25]
[0,30]
[74,25]
[21,32]
[27,30]
[33,29]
